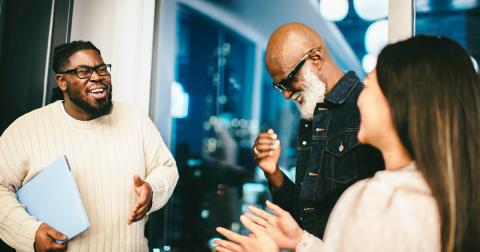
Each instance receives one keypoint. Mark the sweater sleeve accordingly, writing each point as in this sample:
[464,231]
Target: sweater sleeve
[161,169]
[310,243]
[17,227]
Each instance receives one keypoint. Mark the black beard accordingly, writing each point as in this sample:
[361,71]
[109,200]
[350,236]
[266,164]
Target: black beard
[101,108]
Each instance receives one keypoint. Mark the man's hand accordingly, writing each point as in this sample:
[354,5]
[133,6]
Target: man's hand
[144,199]
[281,226]
[45,239]
[266,152]
[257,241]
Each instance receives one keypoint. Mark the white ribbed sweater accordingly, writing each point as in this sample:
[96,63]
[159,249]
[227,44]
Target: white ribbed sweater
[104,154]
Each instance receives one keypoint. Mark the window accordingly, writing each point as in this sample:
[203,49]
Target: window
[456,19]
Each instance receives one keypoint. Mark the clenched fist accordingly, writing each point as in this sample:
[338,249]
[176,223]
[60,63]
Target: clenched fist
[266,152]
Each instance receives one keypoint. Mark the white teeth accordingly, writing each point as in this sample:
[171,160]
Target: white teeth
[97,90]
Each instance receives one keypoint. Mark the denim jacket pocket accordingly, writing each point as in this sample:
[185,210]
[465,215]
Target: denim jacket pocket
[342,166]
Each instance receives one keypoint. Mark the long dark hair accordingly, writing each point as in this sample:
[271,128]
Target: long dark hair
[434,93]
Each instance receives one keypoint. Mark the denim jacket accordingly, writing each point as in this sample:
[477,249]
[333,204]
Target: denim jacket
[329,158]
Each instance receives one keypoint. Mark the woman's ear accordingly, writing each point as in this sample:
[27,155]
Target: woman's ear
[61,82]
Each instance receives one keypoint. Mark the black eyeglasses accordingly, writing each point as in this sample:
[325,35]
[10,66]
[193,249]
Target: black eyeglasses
[84,72]
[287,82]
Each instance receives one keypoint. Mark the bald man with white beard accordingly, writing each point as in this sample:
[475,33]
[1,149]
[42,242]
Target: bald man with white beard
[329,156]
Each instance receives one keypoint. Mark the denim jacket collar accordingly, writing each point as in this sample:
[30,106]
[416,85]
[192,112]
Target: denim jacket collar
[342,90]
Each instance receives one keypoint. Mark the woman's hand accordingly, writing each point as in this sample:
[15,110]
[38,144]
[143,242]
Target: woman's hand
[281,226]
[258,240]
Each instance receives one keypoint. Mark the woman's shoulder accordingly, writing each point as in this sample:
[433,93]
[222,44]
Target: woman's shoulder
[387,191]
[396,207]
[405,182]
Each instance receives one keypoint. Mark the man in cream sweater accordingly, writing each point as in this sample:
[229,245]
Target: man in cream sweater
[121,165]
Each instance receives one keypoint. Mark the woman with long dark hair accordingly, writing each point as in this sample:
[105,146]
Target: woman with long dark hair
[421,109]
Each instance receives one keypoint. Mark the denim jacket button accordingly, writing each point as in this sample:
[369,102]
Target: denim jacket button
[306,125]
[341,147]
[304,142]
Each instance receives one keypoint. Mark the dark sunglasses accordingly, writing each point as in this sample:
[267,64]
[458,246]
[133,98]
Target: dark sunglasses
[287,82]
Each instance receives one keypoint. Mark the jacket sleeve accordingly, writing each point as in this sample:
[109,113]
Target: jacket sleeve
[17,227]
[161,168]
[284,195]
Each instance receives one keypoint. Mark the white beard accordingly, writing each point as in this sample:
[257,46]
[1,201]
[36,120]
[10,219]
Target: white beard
[313,92]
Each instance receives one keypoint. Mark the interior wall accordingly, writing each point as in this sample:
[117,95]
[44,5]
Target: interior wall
[123,31]
[401,16]
[163,66]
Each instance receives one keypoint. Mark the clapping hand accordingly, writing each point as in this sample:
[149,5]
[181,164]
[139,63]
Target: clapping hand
[268,231]
[257,241]
[280,226]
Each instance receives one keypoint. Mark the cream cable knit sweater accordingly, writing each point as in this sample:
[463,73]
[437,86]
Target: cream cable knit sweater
[104,155]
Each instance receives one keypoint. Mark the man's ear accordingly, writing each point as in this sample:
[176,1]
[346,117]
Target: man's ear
[61,82]
[317,57]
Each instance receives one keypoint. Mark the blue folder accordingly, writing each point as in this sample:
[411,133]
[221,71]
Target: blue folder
[52,197]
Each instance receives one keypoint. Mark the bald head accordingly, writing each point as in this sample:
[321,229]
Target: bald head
[288,44]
